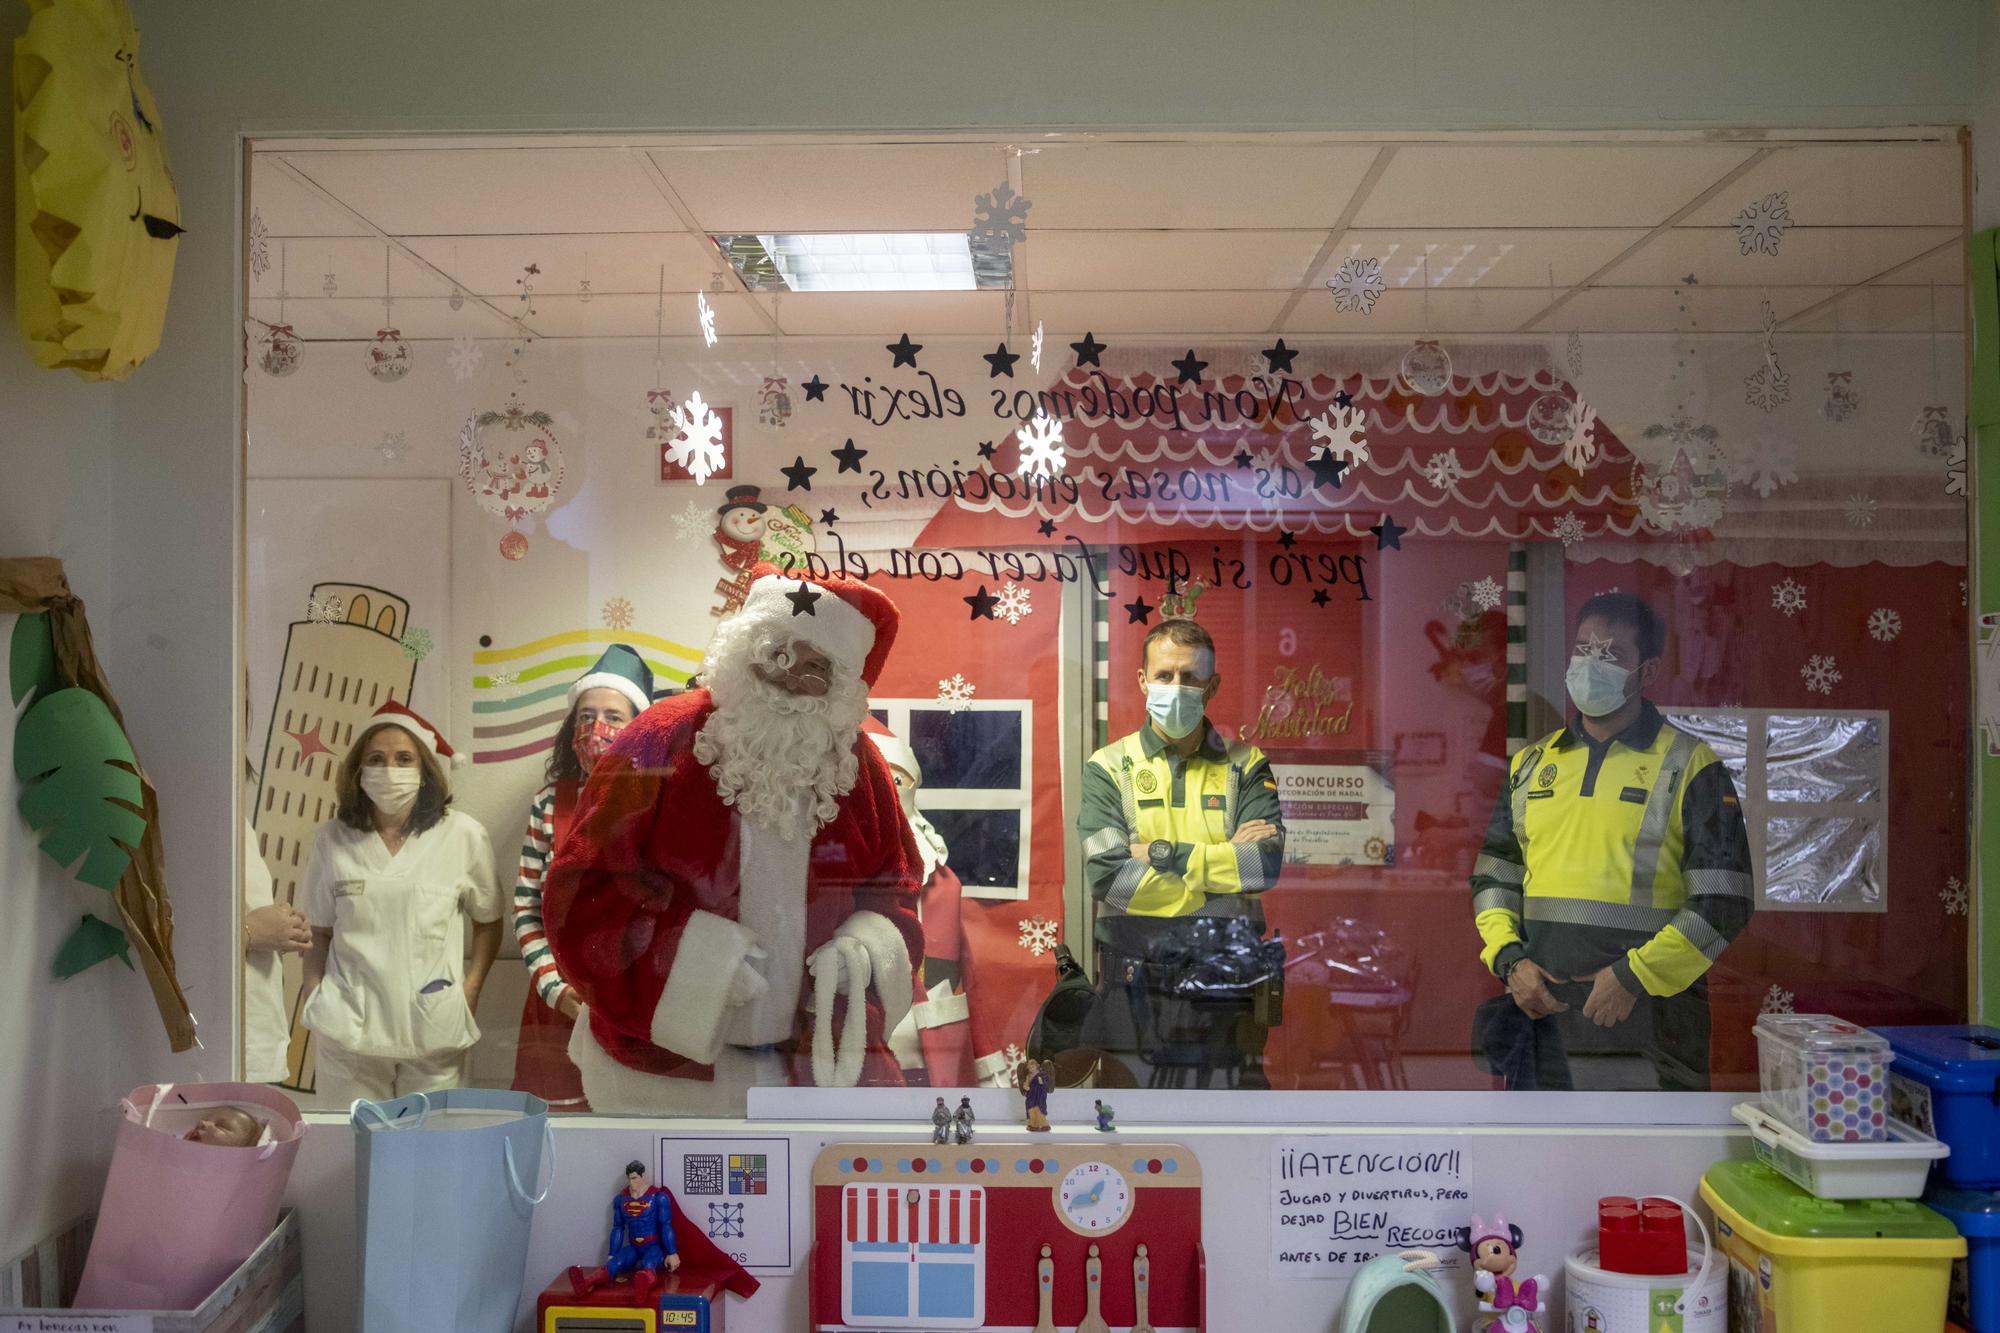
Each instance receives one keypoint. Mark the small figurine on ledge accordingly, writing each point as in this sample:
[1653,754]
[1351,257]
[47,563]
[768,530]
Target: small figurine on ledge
[1104,1115]
[940,1122]
[1035,1087]
[1495,1255]
[642,1237]
[961,1123]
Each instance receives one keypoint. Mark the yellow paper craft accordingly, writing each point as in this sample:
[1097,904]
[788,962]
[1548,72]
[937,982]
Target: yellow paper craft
[96,212]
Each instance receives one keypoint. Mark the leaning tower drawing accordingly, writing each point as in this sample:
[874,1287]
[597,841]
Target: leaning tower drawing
[342,662]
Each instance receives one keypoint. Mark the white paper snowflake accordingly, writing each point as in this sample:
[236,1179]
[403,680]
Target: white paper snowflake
[1012,1057]
[1581,446]
[1013,604]
[955,694]
[693,521]
[1766,387]
[501,680]
[1339,431]
[1035,348]
[697,445]
[416,643]
[1569,530]
[1772,461]
[1038,934]
[393,445]
[1789,597]
[1041,447]
[330,611]
[1485,594]
[1777,1000]
[1001,217]
[1443,470]
[1819,673]
[1760,226]
[1956,898]
[260,245]
[1356,284]
[1954,469]
[706,314]
[1860,510]
[1884,625]
[617,614]
[465,358]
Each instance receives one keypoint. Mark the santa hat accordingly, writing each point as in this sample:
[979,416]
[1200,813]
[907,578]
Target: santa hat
[842,617]
[621,669]
[893,747]
[395,715]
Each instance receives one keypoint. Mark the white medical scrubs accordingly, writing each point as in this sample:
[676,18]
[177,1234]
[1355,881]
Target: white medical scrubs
[267,1033]
[391,1015]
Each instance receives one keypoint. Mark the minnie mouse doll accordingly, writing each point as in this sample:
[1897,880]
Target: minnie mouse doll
[1494,1250]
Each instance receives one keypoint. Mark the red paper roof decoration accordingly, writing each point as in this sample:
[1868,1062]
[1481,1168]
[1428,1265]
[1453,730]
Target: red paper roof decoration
[1504,483]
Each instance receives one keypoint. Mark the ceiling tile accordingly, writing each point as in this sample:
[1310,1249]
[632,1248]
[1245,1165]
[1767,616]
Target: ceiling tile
[1836,256]
[1864,185]
[355,264]
[1553,185]
[627,262]
[288,207]
[633,316]
[1487,258]
[1946,267]
[1891,309]
[1191,186]
[1402,310]
[357,319]
[494,191]
[811,314]
[1196,314]
[833,187]
[1167,260]
[1659,309]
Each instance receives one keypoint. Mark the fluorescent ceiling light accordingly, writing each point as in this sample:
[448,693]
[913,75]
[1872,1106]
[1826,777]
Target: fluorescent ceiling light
[874,261]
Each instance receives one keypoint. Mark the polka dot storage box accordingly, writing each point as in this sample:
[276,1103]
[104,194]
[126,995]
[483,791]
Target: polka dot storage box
[1825,1077]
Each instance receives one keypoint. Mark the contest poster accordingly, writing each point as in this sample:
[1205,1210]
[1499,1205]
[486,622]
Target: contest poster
[1340,812]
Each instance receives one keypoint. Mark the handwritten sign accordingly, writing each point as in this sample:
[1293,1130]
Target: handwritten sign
[1338,1202]
[66,1321]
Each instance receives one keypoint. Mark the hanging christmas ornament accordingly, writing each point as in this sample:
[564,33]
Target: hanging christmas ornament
[1768,386]
[278,348]
[774,401]
[524,310]
[388,356]
[705,314]
[513,546]
[1687,492]
[1426,368]
[1549,418]
[1932,431]
[583,284]
[1842,399]
[660,402]
[1575,354]
[512,464]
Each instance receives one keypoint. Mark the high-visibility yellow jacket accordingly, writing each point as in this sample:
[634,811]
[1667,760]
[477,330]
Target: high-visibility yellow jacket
[1137,790]
[1628,853]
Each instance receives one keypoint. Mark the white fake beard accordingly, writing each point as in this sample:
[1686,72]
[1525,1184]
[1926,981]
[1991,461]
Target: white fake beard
[766,746]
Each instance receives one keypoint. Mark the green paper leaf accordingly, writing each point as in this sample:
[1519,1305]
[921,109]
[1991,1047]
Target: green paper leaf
[67,752]
[90,944]
[31,660]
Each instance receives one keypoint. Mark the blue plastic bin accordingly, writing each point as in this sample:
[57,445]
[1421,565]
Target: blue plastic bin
[1946,1082]
[1975,1279]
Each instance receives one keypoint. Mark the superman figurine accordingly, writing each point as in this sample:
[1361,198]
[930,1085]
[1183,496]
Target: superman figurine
[642,1236]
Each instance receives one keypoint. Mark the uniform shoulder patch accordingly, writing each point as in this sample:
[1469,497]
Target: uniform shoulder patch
[1145,781]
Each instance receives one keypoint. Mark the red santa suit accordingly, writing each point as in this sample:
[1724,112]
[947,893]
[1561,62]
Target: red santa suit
[665,895]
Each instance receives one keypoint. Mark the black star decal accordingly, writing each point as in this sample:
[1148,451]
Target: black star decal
[1343,399]
[1319,597]
[1243,459]
[815,389]
[1388,534]
[802,599]
[903,352]
[798,476]
[1327,469]
[1287,540]
[982,603]
[986,450]
[1280,358]
[1002,362]
[1048,527]
[1139,610]
[828,517]
[850,457]
[1088,350]
[1189,367]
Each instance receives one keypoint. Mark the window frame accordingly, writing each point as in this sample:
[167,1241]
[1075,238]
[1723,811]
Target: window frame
[1019,798]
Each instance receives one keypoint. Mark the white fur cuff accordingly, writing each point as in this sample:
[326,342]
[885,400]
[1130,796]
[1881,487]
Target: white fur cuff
[688,1019]
[889,960]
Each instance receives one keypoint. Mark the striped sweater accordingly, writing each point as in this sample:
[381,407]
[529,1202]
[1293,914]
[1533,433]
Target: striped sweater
[535,852]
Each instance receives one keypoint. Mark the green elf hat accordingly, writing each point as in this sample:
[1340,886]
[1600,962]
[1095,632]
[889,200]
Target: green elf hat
[621,669]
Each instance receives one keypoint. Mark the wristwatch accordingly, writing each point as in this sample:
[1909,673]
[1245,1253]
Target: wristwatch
[1160,854]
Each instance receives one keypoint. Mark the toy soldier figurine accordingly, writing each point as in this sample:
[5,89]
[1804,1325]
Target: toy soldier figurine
[1036,1090]
[940,1123]
[961,1124]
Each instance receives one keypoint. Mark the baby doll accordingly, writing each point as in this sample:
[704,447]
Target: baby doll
[227,1127]
[1494,1257]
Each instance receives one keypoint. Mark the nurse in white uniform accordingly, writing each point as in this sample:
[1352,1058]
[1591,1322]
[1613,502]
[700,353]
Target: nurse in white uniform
[394,876]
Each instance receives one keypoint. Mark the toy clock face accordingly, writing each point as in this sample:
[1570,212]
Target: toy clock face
[1093,1199]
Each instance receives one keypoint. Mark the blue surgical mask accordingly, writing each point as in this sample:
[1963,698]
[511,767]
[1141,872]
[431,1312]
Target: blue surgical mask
[1596,687]
[1175,709]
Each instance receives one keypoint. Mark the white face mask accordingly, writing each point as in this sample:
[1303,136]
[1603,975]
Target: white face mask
[1596,687]
[1175,709]
[393,790]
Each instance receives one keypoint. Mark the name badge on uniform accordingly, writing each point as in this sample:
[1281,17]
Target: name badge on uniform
[1211,802]
[349,888]
[1153,804]
[1542,795]
[1636,795]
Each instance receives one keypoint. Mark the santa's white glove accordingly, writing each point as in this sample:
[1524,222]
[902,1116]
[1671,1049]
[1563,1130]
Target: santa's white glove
[748,983]
[839,967]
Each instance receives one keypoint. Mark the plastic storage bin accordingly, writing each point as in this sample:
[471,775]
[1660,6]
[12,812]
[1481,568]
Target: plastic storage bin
[1896,1168]
[1826,1077]
[1975,1279]
[1947,1082]
[1798,1264]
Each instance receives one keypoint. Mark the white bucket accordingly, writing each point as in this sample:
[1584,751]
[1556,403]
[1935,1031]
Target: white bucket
[1600,1301]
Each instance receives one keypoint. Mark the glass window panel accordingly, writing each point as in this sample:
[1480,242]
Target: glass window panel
[1824,758]
[1823,861]
[985,845]
[979,749]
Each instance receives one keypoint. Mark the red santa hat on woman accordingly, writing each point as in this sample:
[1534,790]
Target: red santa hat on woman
[393,714]
[846,619]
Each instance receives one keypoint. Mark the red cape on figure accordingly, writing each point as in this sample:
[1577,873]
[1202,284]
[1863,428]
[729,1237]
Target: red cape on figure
[697,1251]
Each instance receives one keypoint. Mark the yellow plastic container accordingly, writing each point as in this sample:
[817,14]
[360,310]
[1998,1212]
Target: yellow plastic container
[1798,1264]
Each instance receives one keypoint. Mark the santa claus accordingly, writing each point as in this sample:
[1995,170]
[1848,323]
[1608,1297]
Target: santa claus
[736,843]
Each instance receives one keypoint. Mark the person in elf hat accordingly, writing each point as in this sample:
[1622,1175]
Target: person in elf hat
[602,702]
[736,904]
[393,877]
[935,1036]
